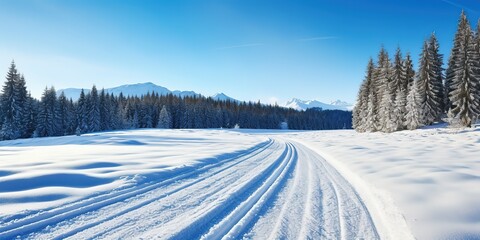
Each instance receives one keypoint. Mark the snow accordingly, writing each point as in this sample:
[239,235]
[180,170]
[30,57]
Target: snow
[256,184]
[432,175]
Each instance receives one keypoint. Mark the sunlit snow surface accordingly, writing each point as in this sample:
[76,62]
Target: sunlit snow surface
[246,183]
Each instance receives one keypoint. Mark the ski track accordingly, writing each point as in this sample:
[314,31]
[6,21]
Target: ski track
[278,189]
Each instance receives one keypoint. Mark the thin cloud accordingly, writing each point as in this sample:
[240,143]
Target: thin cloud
[240,46]
[317,38]
[459,6]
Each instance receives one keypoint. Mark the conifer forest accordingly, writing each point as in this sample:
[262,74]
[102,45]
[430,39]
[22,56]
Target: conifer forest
[23,116]
[393,96]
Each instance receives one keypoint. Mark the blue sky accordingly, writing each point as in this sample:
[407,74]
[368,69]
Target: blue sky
[249,49]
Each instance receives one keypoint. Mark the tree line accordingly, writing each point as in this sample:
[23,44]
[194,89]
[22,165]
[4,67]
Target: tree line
[394,97]
[23,116]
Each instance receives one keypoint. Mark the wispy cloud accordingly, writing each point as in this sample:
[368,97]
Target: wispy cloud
[458,5]
[321,38]
[240,46]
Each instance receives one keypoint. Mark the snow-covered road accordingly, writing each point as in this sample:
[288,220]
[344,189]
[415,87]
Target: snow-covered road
[277,188]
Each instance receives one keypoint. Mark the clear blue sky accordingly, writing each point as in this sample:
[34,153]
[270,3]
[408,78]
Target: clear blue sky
[249,49]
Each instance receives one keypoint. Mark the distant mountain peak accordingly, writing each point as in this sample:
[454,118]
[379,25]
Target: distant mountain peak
[223,97]
[300,105]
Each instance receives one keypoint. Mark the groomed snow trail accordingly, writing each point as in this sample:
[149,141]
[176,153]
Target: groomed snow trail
[278,189]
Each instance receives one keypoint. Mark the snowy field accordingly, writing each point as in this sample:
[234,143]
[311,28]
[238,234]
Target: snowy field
[210,184]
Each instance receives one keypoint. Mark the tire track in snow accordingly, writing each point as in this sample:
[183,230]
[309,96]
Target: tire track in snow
[18,227]
[209,213]
[279,189]
[127,207]
[234,224]
[354,220]
[316,203]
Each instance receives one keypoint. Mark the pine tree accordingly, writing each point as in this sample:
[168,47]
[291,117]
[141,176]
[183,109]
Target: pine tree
[412,118]
[21,104]
[371,123]
[465,86]
[400,92]
[164,119]
[81,112]
[48,117]
[386,111]
[453,60]
[361,108]
[63,113]
[93,111]
[10,109]
[437,96]
[32,110]
[430,83]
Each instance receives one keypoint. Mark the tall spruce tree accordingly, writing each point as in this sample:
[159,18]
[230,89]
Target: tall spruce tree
[465,85]
[364,97]
[453,60]
[412,118]
[399,90]
[387,105]
[436,58]
[11,110]
[48,117]
[164,119]
[93,111]
[430,83]
[81,112]
[63,114]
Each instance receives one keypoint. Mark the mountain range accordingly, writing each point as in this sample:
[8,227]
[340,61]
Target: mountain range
[140,89]
[306,104]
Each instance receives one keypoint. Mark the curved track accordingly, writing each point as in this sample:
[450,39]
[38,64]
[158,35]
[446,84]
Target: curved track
[279,189]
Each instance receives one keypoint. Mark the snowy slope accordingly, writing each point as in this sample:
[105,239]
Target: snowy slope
[431,175]
[190,184]
[185,184]
[304,105]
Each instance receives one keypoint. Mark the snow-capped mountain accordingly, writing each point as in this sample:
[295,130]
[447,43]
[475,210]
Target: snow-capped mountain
[304,105]
[344,104]
[223,97]
[137,89]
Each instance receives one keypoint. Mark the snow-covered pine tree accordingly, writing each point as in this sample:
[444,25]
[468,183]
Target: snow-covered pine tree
[104,111]
[21,104]
[453,60]
[10,112]
[93,111]
[477,38]
[371,123]
[429,83]
[398,74]
[409,73]
[48,118]
[63,112]
[412,118]
[379,79]
[164,119]
[361,109]
[71,118]
[32,110]
[465,86]
[436,58]
[387,106]
[400,92]
[81,111]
